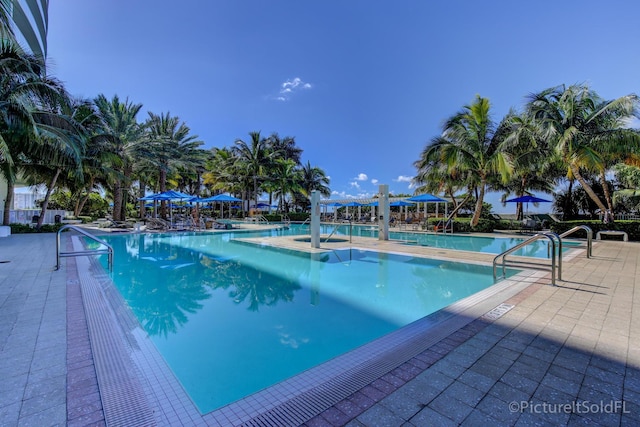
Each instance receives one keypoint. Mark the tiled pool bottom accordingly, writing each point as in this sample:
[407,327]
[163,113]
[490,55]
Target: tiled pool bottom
[137,386]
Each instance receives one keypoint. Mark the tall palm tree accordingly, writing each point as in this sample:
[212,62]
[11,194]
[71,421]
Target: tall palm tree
[31,126]
[170,146]
[287,179]
[535,167]
[314,178]
[61,150]
[121,127]
[471,146]
[436,178]
[254,156]
[584,130]
[284,147]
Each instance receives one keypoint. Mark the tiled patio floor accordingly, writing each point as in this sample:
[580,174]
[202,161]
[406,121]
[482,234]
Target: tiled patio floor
[565,355]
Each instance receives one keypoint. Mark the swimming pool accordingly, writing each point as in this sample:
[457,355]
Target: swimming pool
[463,242]
[231,318]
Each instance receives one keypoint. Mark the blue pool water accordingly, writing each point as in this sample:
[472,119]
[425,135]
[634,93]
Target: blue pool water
[232,318]
[463,242]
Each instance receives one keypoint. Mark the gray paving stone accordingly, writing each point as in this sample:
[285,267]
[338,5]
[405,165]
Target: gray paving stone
[451,408]
[508,394]
[505,412]
[466,394]
[429,417]
[477,380]
[52,416]
[380,416]
[403,404]
[479,419]
[570,388]
[519,382]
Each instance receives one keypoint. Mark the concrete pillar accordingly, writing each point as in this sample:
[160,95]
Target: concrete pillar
[315,219]
[383,219]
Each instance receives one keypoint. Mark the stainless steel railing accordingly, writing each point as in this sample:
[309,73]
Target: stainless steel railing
[108,249]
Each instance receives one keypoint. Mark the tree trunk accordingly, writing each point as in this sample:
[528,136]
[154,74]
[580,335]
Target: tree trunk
[457,206]
[83,200]
[478,210]
[117,200]
[8,201]
[605,189]
[163,187]
[587,188]
[141,191]
[45,202]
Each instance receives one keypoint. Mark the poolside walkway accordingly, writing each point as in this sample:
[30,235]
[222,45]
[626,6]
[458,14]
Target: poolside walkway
[563,355]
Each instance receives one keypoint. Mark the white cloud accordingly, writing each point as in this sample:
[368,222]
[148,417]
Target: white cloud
[346,195]
[355,184]
[361,177]
[290,86]
[403,178]
[374,181]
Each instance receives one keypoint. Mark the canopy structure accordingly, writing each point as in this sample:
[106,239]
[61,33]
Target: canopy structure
[401,203]
[424,198]
[526,199]
[222,198]
[167,196]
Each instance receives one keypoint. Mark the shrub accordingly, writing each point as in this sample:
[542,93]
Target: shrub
[632,228]
[17,228]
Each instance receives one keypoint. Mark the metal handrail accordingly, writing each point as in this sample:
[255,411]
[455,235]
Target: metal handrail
[589,237]
[532,239]
[335,229]
[59,254]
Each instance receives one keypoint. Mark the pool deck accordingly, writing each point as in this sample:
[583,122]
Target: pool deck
[556,355]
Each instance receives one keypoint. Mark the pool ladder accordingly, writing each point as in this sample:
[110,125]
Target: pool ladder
[553,237]
[107,249]
[336,229]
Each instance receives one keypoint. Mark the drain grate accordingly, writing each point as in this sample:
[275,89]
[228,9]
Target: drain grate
[498,312]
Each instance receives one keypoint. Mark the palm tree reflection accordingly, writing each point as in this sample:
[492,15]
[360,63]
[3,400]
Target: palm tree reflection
[182,279]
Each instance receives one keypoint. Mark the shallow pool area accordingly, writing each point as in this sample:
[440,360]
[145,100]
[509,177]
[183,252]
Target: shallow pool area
[458,241]
[231,318]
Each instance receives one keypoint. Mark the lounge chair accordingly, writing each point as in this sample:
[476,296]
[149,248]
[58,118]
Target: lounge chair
[220,225]
[158,224]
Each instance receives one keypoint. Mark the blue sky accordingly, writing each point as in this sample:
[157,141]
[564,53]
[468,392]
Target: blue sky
[361,85]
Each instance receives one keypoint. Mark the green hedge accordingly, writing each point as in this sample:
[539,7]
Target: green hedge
[17,228]
[293,216]
[632,228]
[463,225]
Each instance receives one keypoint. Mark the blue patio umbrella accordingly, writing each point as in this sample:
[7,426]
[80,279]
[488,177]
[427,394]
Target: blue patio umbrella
[422,198]
[352,204]
[401,203]
[526,199]
[219,198]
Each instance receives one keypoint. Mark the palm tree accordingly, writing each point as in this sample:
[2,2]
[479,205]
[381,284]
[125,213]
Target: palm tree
[253,156]
[436,178]
[535,167]
[32,130]
[314,178]
[61,150]
[287,179]
[284,147]
[584,130]
[120,126]
[471,147]
[170,146]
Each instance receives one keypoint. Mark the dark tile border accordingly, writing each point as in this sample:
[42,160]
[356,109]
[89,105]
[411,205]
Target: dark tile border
[84,405]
